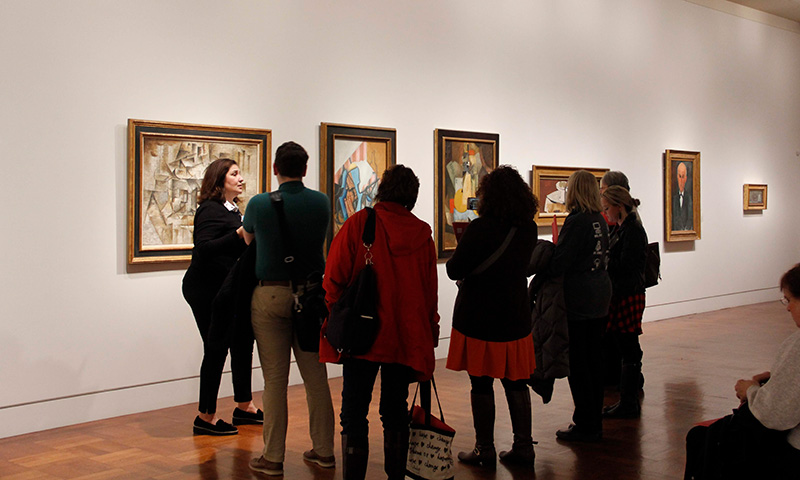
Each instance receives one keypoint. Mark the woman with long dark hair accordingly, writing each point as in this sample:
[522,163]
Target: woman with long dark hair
[491,336]
[218,242]
[581,256]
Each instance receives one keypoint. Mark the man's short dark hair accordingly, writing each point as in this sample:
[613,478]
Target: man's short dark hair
[399,184]
[291,160]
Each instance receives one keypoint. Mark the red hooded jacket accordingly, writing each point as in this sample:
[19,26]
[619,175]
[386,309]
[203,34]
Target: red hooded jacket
[404,259]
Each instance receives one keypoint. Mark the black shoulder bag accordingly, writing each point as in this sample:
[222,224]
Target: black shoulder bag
[309,310]
[353,322]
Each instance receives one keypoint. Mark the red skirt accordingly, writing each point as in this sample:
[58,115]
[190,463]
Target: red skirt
[625,314]
[514,360]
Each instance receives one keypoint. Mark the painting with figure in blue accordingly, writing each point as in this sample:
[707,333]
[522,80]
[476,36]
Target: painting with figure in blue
[358,167]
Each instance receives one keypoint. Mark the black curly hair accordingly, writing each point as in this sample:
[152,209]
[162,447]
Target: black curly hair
[504,194]
[399,184]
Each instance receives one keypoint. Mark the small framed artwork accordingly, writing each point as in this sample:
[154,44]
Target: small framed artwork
[352,160]
[755,196]
[166,164]
[682,195]
[462,160]
[549,184]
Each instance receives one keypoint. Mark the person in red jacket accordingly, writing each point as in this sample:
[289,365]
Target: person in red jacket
[404,259]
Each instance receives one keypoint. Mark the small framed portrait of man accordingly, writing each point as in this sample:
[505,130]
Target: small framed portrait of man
[682,195]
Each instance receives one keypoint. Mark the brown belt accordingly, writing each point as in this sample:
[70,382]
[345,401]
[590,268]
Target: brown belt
[275,283]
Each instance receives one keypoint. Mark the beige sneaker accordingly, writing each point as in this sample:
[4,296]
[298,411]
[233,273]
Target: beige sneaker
[314,457]
[262,465]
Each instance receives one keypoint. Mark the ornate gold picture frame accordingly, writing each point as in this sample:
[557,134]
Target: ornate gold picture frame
[462,159]
[549,184]
[682,195]
[755,196]
[352,160]
[166,164]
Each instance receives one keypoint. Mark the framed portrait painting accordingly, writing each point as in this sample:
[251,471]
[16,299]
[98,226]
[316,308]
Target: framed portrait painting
[755,197]
[462,159]
[682,195]
[549,184]
[166,164]
[352,160]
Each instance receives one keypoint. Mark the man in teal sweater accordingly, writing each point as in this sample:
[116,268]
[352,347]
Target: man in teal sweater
[307,214]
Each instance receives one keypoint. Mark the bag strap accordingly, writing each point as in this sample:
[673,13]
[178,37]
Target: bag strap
[493,257]
[368,235]
[286,236]
[424,390]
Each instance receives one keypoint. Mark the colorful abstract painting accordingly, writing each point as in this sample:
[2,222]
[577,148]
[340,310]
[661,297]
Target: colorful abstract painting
[462,159]
[352,161]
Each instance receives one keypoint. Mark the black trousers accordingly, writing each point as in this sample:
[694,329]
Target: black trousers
[628,346]
[200,298]
[358,381]
[738,446]
[485,384]
[586,372]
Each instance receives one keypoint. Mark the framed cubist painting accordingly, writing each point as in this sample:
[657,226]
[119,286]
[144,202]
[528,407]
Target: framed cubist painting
[352,160]
[462,159]
[682,195]
[166,164]
[549,184]
[755,197]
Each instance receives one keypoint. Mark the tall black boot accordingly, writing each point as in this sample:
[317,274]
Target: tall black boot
[628,405]
[484,454]
[519,407]
[395,454]
[354,458]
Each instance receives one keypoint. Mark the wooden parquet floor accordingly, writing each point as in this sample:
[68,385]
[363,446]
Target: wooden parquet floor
[690,366]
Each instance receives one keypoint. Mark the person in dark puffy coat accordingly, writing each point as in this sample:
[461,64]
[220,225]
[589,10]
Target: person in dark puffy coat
[549,318]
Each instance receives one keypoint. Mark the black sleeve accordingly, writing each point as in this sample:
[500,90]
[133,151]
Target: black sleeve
[566,250]
[469,253]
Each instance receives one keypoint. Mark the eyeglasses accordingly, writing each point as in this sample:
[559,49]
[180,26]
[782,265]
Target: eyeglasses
[785,301]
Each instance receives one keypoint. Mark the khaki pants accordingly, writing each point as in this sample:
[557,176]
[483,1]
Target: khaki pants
[272,326]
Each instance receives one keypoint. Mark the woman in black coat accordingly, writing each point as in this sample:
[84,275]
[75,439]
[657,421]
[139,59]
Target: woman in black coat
[491,336]
[626,268]
[581,257]
[218,242]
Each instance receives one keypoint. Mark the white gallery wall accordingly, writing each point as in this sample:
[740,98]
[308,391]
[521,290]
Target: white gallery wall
[595,83]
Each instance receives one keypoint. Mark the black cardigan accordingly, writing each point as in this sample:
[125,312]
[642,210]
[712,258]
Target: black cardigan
[216,245]
[493,305]
[628,257]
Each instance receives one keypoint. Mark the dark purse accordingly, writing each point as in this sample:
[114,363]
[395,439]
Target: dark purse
[353,321]
[652,273]
[308,310]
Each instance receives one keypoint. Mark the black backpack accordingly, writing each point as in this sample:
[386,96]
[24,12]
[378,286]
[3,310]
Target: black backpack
[652,266]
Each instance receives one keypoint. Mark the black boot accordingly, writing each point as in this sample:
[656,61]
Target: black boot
[519,407]
[354,459]
[628,405]
[484,454]
[395,454]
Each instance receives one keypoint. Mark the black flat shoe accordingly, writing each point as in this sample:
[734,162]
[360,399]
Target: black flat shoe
[243,417]
[201,427]
[574,434]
